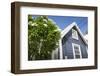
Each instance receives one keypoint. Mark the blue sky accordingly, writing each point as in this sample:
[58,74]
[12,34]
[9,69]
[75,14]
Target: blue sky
[64,21]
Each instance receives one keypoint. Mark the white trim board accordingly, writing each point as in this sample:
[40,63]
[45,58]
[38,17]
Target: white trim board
[74,44]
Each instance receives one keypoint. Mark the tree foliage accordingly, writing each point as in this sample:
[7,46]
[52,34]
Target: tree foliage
[43,37]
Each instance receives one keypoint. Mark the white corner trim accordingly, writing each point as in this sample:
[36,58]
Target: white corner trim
[73,44]
[73,50]
[60,49]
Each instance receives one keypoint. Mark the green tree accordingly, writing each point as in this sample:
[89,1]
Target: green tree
[43,37]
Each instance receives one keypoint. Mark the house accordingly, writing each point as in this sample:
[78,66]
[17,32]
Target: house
[72,44]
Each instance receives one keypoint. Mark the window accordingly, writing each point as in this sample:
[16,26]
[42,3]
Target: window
[74,34]
[76,51]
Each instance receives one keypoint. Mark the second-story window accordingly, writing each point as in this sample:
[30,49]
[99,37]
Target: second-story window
[74,34]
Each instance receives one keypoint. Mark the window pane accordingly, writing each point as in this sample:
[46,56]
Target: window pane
[77,52]
[75,47]
[77,56]
[74,34]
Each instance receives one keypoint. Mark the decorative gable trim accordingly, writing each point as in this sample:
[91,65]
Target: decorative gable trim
[67,29]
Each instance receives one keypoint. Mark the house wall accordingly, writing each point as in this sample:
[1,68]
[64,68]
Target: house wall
[67,46]
[55,54]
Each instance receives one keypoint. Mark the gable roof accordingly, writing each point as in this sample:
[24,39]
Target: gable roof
[67,29]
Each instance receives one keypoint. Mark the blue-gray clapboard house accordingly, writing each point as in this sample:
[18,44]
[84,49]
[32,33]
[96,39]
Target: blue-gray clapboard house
[72,44]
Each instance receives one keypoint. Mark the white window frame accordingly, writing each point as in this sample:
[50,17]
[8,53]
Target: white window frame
[74,35]
[73,44]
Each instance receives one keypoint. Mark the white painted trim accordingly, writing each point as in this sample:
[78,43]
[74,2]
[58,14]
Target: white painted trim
[73,50]
[60,49]
[73,44]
